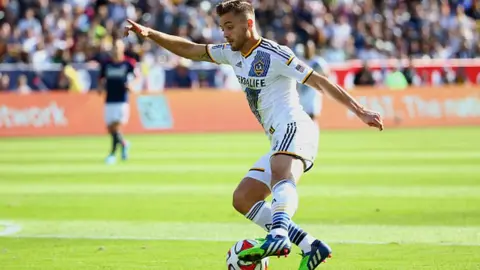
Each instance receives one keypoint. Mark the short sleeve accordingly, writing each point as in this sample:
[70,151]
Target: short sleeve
[217,52]
[295,68]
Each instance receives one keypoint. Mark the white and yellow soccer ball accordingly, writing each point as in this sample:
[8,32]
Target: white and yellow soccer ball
[233,263]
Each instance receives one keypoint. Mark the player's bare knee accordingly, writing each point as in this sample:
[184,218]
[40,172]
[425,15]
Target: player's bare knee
[278,176]
[240,200]
[248,193]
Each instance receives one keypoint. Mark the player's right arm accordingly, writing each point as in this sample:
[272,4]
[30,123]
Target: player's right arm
[296,69]
[322,83]
[177,45]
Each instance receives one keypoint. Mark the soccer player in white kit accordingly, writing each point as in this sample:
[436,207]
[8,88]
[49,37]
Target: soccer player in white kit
[268,74]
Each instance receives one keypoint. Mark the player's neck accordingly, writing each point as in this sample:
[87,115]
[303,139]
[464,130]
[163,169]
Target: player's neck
[118,60]
[251,44]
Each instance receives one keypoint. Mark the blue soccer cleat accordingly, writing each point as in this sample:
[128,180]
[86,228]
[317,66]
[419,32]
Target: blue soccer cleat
[125,151]
[319,253]
[111,159]
[271,246]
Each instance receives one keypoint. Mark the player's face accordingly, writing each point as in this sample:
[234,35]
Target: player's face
[235,30]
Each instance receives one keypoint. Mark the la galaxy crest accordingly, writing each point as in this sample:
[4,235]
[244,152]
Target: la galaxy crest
[259,67]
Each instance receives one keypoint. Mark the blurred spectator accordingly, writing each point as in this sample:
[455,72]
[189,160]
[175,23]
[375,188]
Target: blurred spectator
[81,31]
[72,76]
[410,73]
[364,77]
[22,85]
[465,50]
[445,77]
[29,22]
[461,76]
[395,79]
[376,29]
[474,10]
[183,77]
[4,83]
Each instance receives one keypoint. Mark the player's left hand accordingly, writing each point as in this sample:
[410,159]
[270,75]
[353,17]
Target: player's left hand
[371,118]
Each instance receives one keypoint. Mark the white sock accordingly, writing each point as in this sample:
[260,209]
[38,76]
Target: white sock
[261,214]
[284,206]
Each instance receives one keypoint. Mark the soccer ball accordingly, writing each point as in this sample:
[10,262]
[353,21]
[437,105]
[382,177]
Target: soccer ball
[233,263]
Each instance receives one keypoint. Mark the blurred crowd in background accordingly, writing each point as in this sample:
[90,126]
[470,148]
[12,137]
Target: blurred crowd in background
[67,32]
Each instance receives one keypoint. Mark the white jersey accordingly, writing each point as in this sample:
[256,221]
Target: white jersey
[268,74]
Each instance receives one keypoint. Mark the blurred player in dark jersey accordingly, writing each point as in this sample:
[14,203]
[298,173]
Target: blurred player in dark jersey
[115,76]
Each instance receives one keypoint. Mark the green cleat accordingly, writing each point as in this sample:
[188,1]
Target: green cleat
[271,246]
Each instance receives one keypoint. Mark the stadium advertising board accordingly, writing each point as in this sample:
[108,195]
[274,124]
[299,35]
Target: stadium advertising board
[56,114]
[419,107]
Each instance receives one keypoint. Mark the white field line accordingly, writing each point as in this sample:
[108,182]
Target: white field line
[157,144]
[217,145]
[222,189]
[212,168]
[9,228]
[402,155]
[118,230]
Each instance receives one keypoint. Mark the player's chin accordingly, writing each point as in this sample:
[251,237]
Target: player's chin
[233,47]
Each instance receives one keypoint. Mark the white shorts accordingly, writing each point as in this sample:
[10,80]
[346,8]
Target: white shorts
[298,139]
[117,112]
[311,101]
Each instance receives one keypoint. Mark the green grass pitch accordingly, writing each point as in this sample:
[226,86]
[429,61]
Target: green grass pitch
[398,199]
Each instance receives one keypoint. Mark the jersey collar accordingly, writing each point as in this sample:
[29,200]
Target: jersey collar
[252,49]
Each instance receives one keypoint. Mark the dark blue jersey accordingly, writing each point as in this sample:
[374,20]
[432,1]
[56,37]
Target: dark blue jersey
[117,75]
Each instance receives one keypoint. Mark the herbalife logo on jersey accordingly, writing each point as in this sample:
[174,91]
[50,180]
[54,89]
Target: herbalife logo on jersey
[252,82]
[239,64]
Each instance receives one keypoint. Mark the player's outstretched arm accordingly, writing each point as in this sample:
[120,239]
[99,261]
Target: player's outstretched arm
[177,45]
[322,83]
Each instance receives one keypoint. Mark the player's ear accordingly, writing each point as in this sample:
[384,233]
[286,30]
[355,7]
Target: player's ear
[250,23]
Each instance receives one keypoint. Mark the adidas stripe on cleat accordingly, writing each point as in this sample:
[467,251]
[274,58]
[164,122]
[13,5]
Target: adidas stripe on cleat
[270,246]
[319,253]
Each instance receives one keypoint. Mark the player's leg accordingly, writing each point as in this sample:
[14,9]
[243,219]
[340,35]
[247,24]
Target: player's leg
[119,140]
[285,171]
[314,251]
[113,130]
[116,114]
[109,117]
[290,162]
[123,120]
[287,166]
[249,196]
[249,200]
